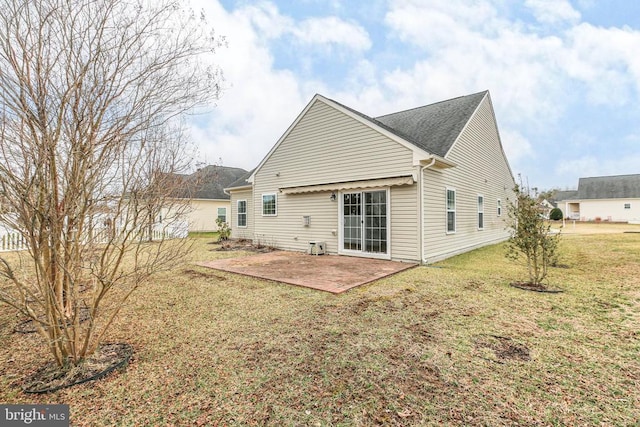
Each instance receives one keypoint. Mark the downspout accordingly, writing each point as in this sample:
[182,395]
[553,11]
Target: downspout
[421,189]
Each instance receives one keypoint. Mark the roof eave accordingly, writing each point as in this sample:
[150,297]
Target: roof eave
[238,188]
[432,160]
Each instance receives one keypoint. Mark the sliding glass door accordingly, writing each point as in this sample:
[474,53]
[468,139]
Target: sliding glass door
[365,222]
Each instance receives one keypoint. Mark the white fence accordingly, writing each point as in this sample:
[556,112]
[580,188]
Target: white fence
[11,240]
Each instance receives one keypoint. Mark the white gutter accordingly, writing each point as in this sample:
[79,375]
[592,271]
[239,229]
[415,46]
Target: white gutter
[421,210]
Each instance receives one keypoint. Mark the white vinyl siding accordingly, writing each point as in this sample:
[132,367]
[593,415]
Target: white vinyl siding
[607,209]
[238,232]
[481,169]
[328,146]
[404,223]
[203,213]
[242,213]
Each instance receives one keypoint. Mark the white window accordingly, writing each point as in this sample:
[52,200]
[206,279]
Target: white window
[451,210]
[499,207]
[480,212]
[222,214]
[627,205]
[242,213]
[269,205]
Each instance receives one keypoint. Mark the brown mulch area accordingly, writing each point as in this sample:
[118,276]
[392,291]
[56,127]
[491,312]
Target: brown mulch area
[244,245]
[535,287]
[51,377]
[504,348]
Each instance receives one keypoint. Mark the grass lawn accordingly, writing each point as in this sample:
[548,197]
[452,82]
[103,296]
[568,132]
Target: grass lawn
[451,343]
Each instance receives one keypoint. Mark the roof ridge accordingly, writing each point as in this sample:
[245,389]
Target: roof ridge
[610,176]
[432,104]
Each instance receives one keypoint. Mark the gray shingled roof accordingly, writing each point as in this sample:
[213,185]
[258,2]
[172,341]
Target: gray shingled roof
[209,182]
[434,127]
[609,187]
[242,181]
[565,195]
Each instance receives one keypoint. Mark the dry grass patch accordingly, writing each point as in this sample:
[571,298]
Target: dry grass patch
[454,344]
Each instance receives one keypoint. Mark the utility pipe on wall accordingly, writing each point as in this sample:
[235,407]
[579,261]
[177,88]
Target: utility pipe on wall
[421,189]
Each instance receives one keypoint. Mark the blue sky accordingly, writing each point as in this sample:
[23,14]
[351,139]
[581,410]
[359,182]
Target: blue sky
[564,76]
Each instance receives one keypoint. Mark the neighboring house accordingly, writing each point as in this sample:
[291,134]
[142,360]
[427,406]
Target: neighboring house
[205,188]
[418,185]
[545,207]
[602,198]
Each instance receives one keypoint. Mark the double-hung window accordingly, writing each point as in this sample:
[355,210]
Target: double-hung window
[222,214]
[242,213]
[499,207]
[269,204]
[451,210]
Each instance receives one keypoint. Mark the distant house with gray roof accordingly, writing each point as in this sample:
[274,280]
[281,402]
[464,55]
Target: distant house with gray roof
[205,190]
[417,185]
[602,198]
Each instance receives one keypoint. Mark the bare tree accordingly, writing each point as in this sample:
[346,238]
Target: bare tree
[91,96]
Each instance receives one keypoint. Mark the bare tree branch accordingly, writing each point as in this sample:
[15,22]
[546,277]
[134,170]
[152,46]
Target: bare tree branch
[91,95]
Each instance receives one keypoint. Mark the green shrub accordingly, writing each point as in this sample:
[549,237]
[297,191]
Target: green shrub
[555,214]
[224,231]
[531,236]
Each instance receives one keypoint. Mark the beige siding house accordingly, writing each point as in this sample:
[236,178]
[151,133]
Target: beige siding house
[207,199]
[602,198]
[418,185]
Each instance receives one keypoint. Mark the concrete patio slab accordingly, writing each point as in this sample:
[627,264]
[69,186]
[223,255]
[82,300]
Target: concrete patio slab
[330,273]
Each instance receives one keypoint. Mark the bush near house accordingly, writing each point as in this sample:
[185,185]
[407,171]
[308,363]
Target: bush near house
[555,214]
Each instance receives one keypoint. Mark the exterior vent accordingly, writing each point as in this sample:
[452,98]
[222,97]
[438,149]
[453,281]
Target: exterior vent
[317,248]
[306,221]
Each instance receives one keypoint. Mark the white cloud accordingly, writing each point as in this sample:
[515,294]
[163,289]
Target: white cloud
[332,31]
[490,53]
[606,60]
[430,23]
[590,165]
[259,102]
[516,146]
[553,11]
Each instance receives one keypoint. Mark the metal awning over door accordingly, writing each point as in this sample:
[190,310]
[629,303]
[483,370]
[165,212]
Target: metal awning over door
[350,185]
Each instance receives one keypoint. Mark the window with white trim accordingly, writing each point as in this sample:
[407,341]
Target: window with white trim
[269,204]
[480,212]
[451,210]
[499,207]
[222,214]
[242,213]
[627,205]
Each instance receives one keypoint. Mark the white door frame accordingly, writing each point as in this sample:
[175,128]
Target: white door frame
[362,252]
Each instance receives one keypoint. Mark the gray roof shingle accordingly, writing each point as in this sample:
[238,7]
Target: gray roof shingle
[209,182]
[559,196]
[434,127]
[242,181]
[609,187]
